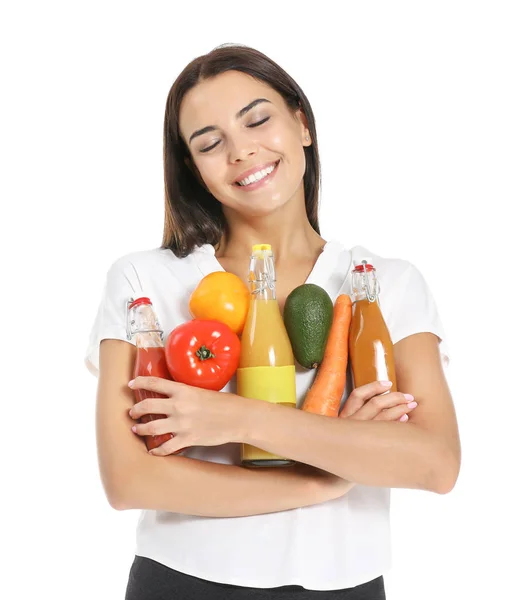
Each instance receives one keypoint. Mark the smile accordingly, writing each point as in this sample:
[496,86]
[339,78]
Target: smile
[258,178]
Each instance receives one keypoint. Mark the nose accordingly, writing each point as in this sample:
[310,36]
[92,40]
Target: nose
[241,148]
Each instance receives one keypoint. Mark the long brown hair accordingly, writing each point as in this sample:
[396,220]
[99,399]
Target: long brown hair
[193,216]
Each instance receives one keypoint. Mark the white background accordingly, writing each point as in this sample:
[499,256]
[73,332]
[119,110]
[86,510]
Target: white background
[422,111]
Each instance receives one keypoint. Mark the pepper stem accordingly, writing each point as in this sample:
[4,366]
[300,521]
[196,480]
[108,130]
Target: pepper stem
[203,353]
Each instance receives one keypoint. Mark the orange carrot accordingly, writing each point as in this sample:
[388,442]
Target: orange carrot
[326,392]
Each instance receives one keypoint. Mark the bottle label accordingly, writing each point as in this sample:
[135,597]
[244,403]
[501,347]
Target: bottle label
[272,384]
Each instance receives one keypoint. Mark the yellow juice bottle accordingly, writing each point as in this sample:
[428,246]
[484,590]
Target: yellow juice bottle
[266,366]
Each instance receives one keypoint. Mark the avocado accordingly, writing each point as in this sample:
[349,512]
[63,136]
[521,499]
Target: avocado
[308,314]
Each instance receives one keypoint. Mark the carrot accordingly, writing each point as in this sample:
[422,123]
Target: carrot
[326,392]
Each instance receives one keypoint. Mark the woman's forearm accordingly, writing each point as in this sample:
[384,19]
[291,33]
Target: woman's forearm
[423,453]
[194,487]
[133,479]
[374,453]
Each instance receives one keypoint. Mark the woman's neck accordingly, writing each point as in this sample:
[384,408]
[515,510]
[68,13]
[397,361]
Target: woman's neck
[287,243]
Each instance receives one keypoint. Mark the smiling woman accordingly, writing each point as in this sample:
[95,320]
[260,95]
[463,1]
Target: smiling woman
[265,132]
[241,168]
[202,140]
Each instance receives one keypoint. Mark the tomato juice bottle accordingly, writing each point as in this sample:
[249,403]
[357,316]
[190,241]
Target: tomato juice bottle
[370,346]
[266,365]
[150,358]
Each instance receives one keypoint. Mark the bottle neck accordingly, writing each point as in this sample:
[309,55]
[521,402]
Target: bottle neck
[262,277]
[143,326]
[365,286]
[145,339]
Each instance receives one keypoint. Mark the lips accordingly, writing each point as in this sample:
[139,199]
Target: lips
[253,170]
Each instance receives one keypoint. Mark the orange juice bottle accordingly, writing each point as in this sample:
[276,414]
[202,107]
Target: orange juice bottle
[266,365]
[370,346]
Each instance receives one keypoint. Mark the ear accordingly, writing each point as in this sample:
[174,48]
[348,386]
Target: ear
[304,127]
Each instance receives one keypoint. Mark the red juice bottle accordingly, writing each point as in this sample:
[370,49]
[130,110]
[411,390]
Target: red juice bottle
[150,359]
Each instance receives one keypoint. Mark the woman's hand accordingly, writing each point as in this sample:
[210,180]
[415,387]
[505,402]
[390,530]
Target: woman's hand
[373,402]
[199,417]
[195,416]
[366,403]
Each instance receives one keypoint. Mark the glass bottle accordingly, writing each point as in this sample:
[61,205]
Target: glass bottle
[370,345]
[143,325]
[266,366]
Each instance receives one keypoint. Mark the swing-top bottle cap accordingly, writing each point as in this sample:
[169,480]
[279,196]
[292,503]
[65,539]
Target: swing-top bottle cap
[363,267]
[138,301]
[261,248]
[366,287]
[141,317]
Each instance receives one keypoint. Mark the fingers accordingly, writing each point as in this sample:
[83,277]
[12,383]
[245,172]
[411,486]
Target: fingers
[158,385]
[381,404]
[396,413]
[151,406]
[159,427]
[352,405]
[372,389]
[167,448]
[153,427]
[360,395]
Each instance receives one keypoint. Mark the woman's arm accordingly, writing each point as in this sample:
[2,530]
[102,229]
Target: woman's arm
[133,479]
[196,487]
[423,453]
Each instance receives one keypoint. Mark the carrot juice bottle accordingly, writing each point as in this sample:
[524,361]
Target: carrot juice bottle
[150,358]
[266,365]
[370,346]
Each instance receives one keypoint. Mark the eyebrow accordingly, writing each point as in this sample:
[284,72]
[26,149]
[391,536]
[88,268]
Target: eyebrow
[240,114]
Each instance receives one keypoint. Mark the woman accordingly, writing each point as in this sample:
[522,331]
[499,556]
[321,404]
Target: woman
[209,527]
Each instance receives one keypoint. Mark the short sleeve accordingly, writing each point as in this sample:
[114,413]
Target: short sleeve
[110,321]
[414,310]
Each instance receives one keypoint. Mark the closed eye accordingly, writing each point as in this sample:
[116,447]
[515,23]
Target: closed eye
[211,147]
[259,122]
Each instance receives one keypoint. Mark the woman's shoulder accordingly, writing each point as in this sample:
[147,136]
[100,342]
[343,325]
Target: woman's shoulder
[153,259]
[158,272]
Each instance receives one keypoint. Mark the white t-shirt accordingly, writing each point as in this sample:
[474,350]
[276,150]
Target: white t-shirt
[337,544]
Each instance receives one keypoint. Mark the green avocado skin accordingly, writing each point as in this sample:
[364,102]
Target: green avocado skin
[308,314]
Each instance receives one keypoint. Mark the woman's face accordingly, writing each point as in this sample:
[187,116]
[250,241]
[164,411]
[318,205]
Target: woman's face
[246,144]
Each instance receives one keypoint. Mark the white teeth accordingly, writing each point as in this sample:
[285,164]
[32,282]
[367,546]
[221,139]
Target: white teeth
[257,176]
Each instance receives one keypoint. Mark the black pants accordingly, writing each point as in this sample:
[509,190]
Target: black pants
[150,580]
